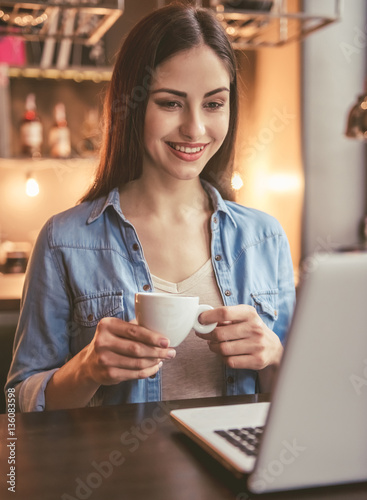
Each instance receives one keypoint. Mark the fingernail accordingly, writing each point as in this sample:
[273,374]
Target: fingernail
[160,364]
[164,343]
[171,353]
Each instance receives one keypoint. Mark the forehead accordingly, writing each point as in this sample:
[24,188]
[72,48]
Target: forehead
[199,67]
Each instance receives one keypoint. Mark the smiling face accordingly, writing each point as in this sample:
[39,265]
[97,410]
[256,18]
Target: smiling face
[187,114]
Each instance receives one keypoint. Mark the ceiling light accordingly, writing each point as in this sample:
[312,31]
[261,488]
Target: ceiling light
[32,188]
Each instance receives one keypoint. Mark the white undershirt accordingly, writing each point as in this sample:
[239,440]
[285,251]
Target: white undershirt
[196,371]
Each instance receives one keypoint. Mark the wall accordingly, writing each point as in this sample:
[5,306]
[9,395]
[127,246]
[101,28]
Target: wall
[61,185]
[268,152]
[335,167]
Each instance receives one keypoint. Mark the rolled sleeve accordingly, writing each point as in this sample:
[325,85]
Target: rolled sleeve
[41,343]
[30,394]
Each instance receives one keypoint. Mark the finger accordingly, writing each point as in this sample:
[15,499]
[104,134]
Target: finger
[133,349]
[234,347]
[133,331]
[106,343]
[115,375]
[234,331]
[225,314]
[110,360]
[245,361]
[205,336]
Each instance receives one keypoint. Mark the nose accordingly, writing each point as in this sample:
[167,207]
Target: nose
[192,126]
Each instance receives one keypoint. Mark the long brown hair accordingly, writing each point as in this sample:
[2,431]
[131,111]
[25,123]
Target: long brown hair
[154,39]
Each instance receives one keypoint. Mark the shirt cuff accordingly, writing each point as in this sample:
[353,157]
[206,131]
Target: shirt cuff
[31,392]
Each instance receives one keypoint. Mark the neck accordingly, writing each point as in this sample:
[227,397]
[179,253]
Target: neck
[181,198]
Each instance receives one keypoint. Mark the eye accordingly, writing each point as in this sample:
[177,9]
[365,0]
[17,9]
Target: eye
[214,105]
[168,104]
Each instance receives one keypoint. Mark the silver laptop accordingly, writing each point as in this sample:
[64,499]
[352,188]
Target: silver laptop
[314,432]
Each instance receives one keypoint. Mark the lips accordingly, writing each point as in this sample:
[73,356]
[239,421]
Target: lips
[187,152]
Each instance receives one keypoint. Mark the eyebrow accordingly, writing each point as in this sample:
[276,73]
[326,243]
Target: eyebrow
[184,94]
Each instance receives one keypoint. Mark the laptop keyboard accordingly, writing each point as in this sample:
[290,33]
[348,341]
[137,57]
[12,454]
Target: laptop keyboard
[246,439]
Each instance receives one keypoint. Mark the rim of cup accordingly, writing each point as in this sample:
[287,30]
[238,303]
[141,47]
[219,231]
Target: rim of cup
[164,295]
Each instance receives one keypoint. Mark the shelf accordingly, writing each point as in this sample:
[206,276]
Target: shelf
[78,22]
[78,74]
[272,27]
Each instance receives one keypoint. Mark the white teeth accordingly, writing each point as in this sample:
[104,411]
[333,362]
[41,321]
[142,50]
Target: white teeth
[187,150]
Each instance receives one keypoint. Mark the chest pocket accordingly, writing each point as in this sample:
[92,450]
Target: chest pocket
[90,309]
[266,305]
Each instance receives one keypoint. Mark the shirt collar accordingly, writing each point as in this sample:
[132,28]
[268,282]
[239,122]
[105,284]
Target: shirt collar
[113,199]
[218,203]
[101,204]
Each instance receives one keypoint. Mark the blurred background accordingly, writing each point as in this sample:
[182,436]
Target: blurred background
[302,84]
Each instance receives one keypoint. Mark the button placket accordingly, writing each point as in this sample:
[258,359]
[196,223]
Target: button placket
[141,267]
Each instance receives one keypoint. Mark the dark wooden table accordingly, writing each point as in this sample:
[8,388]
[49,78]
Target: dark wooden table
[129,452]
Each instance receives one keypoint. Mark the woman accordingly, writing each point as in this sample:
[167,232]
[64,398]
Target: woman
[154,220]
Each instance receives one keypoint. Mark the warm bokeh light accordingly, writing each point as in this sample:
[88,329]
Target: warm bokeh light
[284,182]
[236,181]
[32,187]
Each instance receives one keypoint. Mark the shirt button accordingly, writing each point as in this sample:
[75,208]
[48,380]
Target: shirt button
[146,288]
[90,317]
[230,380]
[218,257]
[215,220]
[227,293]
[135,246]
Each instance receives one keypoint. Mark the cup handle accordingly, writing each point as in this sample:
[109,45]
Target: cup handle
[198,327]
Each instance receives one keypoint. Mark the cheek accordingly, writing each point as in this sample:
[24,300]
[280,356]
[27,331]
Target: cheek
[220,128]
[156,126]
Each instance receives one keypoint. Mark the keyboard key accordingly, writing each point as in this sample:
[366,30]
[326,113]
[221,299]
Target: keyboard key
[245,439]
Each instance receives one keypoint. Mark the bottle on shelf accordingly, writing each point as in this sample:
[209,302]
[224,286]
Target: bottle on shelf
[31,130]
[59,135]
[91,133]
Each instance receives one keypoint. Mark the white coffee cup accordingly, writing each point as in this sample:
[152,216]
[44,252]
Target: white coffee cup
[172,316]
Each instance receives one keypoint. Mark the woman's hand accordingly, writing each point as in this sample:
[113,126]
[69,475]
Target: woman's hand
[119,351]
[242,338]
[123,351]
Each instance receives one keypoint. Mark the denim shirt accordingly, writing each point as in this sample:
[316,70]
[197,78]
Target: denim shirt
[88,263]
